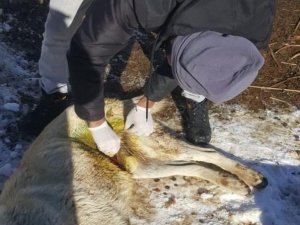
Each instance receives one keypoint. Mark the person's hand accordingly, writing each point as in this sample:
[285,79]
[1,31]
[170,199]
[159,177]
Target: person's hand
[106,139]
[137,123]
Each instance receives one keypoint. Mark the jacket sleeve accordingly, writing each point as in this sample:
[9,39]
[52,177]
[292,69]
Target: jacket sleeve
[104,32]
[161,83]
[152,14]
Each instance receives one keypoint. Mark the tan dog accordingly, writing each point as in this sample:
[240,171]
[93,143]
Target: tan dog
[64,180]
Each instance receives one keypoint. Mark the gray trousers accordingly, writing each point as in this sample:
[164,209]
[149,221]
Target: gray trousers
[64,18]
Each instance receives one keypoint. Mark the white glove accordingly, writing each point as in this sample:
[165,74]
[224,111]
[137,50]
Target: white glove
[137,118]
[106,139]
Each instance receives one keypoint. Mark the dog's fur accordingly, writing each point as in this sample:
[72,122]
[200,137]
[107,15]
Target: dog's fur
[64,180]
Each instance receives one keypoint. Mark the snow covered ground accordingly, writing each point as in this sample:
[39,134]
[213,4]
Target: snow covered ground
[267,141]
[13,74]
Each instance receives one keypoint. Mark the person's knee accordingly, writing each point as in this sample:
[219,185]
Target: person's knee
[56,27]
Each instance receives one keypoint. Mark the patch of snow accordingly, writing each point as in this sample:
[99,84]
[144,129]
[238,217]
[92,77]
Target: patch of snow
[15,107]
[6,170]
[231,197]
[247,217]
[14,154]
[206,196]
[4,27]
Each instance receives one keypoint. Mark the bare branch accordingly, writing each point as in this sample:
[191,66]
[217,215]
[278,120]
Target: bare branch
[273,56]
[286,80]
[294,56]
[286,46]
[275,89]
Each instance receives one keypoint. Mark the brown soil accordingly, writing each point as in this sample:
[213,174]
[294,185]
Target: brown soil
[281,69]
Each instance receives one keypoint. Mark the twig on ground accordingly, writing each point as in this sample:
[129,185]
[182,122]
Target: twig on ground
[297,26]
[286,46]
[294,38]
[286,80]
[290,64]
[273,56]
[262,100]
[279,100]
[294,56]
[275,89]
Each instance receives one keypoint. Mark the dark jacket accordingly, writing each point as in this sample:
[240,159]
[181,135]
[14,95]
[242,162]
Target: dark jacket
[109,24]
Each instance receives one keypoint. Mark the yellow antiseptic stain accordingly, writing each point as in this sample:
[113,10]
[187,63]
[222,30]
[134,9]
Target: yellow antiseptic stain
[83,135]
[117,124]
[129,143]
[130,163]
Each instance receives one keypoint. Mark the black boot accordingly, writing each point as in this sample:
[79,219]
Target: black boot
[196,122]
[49,107]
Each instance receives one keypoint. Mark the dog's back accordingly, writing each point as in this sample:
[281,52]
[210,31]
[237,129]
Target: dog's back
[62,181]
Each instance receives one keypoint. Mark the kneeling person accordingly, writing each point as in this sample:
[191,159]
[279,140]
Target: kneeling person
[205,64]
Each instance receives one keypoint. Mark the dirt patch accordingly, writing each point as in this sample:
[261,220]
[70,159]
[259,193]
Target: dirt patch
[281,70]
[26,23]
